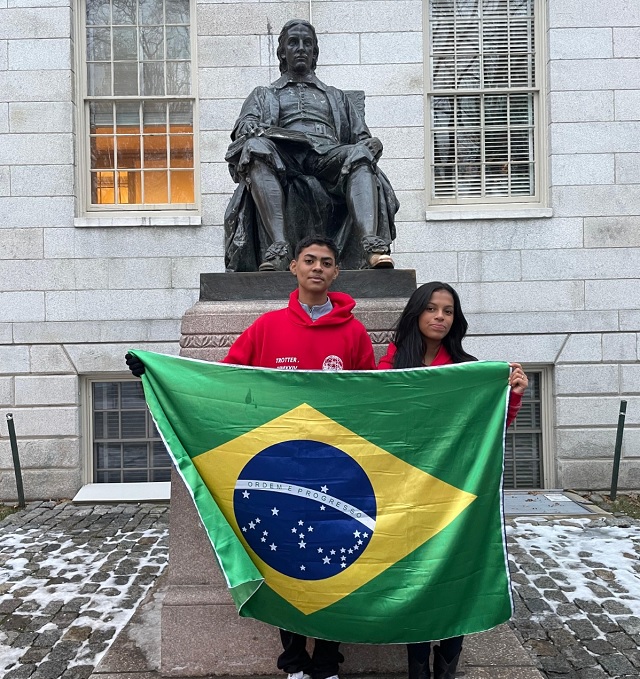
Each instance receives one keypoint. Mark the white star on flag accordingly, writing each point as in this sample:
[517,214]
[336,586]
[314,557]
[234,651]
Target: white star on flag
[275,511]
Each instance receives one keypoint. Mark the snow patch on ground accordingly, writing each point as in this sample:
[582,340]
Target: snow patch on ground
[56,567]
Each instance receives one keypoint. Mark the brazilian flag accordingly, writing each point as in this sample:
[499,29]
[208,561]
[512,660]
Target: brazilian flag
[362,507]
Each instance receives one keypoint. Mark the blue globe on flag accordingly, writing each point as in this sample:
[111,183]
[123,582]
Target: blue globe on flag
[306,508]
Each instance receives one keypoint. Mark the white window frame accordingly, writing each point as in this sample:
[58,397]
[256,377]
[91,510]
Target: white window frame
[87,433]
[90,215]
[496,206]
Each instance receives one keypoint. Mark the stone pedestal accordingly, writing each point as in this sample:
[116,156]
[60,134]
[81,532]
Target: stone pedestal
[202,633]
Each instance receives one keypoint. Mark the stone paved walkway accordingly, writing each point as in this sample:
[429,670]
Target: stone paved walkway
[70,579]
[72,576]
[576,586]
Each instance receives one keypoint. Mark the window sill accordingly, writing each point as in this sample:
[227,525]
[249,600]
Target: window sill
[456,214]
[158,491]
[138,220]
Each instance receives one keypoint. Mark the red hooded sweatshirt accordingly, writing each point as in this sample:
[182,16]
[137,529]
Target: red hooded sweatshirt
[289,340]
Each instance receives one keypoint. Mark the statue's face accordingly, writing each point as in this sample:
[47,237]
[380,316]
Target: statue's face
[298,50]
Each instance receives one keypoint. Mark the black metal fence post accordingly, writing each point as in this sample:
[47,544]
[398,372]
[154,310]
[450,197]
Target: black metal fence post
[618,451]
[16,459]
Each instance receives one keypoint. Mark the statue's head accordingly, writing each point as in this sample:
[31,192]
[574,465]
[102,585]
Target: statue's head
[286,60]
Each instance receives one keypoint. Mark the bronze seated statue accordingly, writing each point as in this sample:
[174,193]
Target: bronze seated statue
[305,163]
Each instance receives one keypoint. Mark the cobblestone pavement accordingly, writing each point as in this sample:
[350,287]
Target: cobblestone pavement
[72,576]
[576,587]
[70,579]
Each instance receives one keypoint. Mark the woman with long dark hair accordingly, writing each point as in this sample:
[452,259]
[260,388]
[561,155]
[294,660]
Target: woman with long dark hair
[430,333]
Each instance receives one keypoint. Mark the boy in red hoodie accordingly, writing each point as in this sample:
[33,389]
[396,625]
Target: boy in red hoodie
[316,331]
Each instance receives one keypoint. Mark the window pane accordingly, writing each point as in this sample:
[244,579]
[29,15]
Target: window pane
[155,116]
[129,188]
[113,455]
[124,12]
[182,187]
[132,395]
[181,113]
[125,77]
[102,188]
[105,395]
[98,44]
[160,456]
[151,12]
[177,11]
[112,425]
[135,455]
[128,117]
[128,152]
[101,117]
[495,110]
[155,151]
[181,150]
[134,424]
[125,44]
[158,475]
[98,12]
[178,77]
[102,152]
[152,82]
[152,43]
[178,42]
[99,79]
[135,476]
[156,187]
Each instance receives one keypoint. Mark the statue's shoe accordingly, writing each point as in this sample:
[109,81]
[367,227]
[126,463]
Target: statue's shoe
[379,261]
[276,257]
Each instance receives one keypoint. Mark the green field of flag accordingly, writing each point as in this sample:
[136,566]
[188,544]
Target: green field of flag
[363,507]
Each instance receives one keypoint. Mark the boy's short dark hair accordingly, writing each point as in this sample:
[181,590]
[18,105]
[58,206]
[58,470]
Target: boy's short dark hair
[316,240]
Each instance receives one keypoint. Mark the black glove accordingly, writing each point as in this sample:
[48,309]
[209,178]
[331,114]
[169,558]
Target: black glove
[135,364]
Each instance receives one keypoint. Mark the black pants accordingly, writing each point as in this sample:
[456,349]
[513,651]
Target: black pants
[294,657]
[448,647]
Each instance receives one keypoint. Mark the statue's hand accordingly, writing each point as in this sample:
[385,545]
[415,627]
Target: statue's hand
[251,129]
[375,146]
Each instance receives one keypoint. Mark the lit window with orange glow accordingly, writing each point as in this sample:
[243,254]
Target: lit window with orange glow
[139,104]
